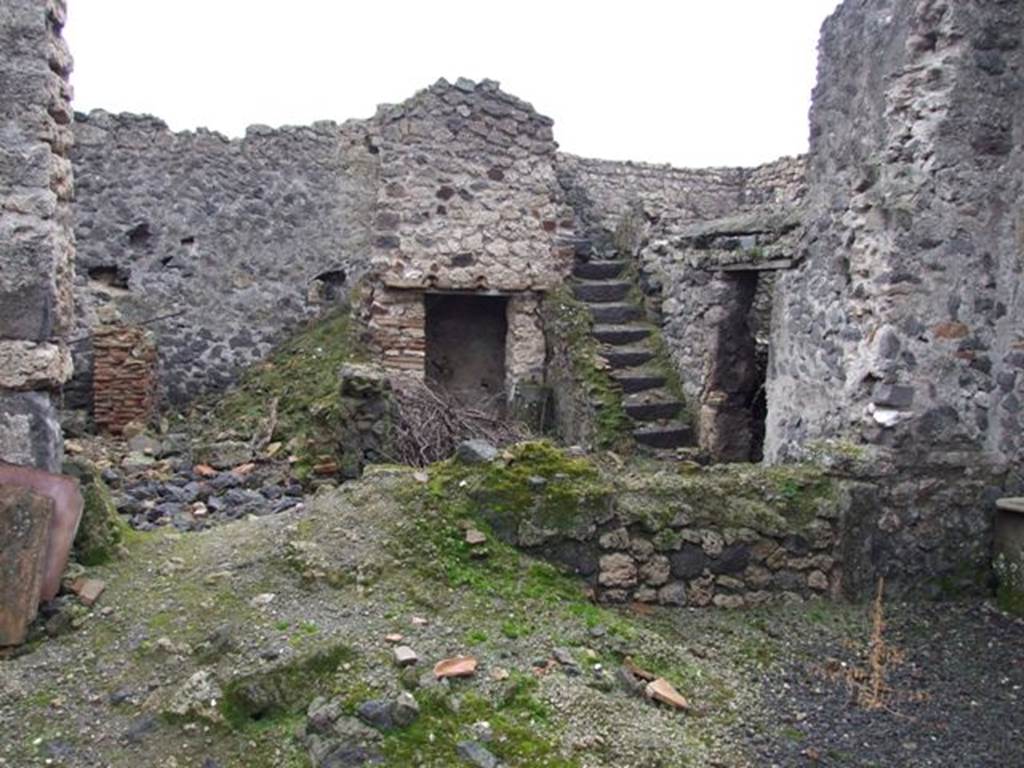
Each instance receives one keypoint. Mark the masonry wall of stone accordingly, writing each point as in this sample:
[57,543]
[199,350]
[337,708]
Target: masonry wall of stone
[899,334]
[603,191]
[237,241]
[468,201]
[36,242]
[728,536]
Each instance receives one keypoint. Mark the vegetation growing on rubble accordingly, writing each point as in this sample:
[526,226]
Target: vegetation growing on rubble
[293,394]
[568,324]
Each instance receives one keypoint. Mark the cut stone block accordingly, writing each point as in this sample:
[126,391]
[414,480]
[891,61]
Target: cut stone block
[24,531]
[67,512]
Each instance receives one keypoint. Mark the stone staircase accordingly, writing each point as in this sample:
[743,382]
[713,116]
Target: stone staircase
[624,340]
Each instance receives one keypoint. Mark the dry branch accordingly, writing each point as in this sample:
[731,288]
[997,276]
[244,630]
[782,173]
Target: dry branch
[430,424]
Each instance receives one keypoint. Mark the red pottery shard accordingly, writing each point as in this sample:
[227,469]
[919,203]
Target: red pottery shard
[636,671]
[460,666]
[67,503]
[662,690]
[88,590]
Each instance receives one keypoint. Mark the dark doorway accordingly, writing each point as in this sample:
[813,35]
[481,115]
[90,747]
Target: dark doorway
[466,348]
[733,407]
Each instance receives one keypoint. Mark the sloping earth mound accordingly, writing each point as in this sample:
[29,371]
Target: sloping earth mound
[207,649]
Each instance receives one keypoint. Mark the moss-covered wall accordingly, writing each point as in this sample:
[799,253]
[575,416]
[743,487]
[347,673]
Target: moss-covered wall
[724,536]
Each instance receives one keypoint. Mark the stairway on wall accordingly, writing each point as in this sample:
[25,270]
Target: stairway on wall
[625,340]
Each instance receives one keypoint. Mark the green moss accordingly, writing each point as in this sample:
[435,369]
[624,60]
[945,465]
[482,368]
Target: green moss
[284,690]
[1010,590]
[568,322]
[772,500]
[302,376]
[523,732]
[537,483]
[101,530]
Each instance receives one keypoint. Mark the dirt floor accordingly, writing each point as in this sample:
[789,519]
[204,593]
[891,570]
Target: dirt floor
[208,647]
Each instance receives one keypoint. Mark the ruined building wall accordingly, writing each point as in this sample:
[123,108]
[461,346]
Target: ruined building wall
[229,236]
[603,191]
[900,332]
[36,242]
[468,201]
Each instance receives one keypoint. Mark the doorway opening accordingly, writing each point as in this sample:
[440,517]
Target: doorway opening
[465,348]
[733,405]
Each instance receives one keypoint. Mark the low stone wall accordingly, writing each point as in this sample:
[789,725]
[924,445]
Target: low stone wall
[726,536]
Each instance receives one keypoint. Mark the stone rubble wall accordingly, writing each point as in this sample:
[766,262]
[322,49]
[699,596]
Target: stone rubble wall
[602,192]
[468,198]
[468,201]
[728,537]
[36,242]
[227,236]
[899,334]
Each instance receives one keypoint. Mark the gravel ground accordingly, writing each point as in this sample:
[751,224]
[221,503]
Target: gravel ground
[954,696]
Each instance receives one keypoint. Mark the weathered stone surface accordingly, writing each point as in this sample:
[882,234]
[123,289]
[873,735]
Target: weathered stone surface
[36,246]
[265,231]
[476,452]
[67,511]
[30,431]
[26,365]
[689,562]
[617,571]
[25,518]
[655,571]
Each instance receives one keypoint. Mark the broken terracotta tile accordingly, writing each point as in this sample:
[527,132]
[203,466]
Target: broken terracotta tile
[88,590]
[638,672]
[460,666]
[67,512]
[662,690]
[475,538]
[205,470]
[24,530]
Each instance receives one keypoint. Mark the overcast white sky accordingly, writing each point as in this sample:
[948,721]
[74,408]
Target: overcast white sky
[689,82]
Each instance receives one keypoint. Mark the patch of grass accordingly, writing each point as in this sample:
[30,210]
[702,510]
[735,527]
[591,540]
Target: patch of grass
[302,375]
[476,637]
[523,734]
[516,627]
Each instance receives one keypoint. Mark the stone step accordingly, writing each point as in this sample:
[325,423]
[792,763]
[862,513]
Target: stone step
[654,410]
[627,357]
[615,314]
[671,435]
[598,270]
[620,334]
[637,380]
[602,291]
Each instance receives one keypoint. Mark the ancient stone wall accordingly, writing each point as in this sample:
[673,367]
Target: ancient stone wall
[237,240]
[36,242]
[467,201]
[899,334]
[603,191]
[728,536]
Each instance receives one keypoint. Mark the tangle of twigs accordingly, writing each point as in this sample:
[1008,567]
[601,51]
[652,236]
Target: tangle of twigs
[430,424]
